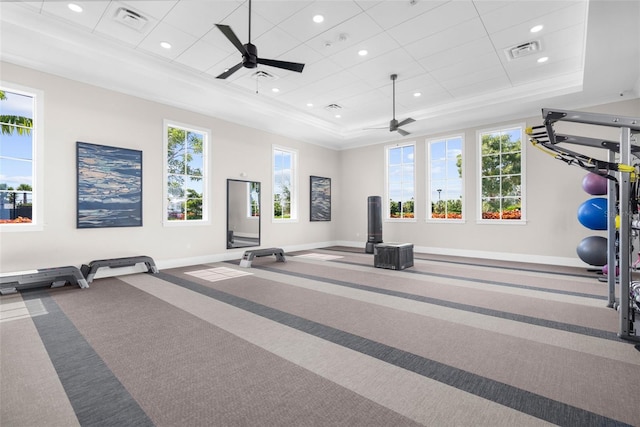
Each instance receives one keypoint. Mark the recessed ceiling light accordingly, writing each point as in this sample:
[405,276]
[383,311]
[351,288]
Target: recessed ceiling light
[543,59]
[338,116]
[275,90]
[74,7]
[165,45]
[363,52]
[536,28]
[309,104]
[318,19]
[417,94]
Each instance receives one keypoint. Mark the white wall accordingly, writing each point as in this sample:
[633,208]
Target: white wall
[78,112]
[553,195]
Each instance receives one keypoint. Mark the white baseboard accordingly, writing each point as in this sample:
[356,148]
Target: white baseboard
[236,254]
[504,256]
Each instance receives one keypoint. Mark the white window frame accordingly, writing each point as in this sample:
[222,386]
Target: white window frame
[206,148]
[523,174]
[430,198]
[38,191]
[386,204]
[294,183]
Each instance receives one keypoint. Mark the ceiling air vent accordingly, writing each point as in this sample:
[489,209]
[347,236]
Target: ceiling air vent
[131,19]
[263,75]
[333,107]
[523,49]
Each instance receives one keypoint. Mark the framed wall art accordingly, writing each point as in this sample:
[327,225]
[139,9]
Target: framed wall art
[320,199]
[109,186]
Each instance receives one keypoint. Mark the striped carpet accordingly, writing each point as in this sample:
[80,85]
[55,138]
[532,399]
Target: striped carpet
[324,339]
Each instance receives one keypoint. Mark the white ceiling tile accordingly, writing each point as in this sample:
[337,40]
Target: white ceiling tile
[536,72]
[275,44]
[348,34]
[33,5]
[156,9]
[564,18]
[457,54]
[447,39]
[517,12]
[472,76]
[440,48]
[109,26]
[201,56]
[439,19]
[275,11]
[480,87]
[91,13]
[375,46]
[377,71]
[487,6]
[198,17]
[301,24]
[468,68]
[389,14]
[179,40]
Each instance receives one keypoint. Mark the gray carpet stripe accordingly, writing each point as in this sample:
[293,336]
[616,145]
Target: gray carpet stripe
[96,395]
[476,264]
[489,282]
[577,329]
[524,401]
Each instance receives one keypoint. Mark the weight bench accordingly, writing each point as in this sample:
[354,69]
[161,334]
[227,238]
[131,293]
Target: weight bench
[89,271]
[52,277]
[250,255]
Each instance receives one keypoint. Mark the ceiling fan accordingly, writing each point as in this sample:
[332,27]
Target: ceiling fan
[394,125]
[249,53]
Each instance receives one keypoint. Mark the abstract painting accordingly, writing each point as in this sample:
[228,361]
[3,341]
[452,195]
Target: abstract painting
[320,199]
[109,186]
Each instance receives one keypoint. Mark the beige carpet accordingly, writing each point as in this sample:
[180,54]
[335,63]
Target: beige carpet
[324,339]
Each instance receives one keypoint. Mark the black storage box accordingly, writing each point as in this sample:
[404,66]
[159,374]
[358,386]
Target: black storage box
[393,256]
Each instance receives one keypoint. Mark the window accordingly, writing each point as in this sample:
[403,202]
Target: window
[445,178]
[501,174]
[20,166]
[253,200]
[186,174]
[284,184]
[400,181]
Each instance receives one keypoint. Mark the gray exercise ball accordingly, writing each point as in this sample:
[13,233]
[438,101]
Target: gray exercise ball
[593,250]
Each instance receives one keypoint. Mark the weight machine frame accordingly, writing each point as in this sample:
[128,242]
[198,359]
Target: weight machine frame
[624,172]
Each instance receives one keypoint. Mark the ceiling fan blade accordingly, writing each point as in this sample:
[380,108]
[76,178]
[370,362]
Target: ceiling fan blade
[230,71]
[291,66]
[402,132]
[228,32]
[406,122]
[375,128]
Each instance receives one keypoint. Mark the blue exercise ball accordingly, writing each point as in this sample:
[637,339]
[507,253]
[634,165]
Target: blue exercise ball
[593,250]
[593,213]
[594,184]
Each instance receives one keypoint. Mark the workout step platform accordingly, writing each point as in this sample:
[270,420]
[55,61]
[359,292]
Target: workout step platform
[89,271]
[52,277]
[248,256]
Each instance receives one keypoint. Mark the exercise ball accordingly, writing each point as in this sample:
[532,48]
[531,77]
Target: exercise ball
[593,250]
[593,213]
[595,184]
[605,270]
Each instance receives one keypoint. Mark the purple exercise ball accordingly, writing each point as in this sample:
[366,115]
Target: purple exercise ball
[595,184]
